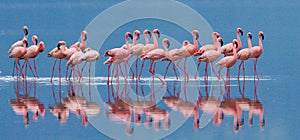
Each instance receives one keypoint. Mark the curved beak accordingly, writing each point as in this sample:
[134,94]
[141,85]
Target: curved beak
[25,30]
[85,37]
[236,43]
[250,35]
[197,35]
[262,36]
[138,37]
[222,43]
[158,33]
[130,35]
[241,31]
[168,43]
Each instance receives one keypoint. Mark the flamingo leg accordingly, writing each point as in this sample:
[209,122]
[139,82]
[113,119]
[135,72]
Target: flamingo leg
[90,71]
[151,70]
[141,69]
[156,75]
[132,73]
[34,62]
[255,70]
[18,69]
[59,70]
[108,73]
[186,74]
[178,65]
[14,67]
[136,67]
[83,66]
[212,68]
[206,72]
[196,74]
[167,69]
[240,69]
[53,70]
[27,61]
[67,69]
[244,70]
[123,74]
[174,69]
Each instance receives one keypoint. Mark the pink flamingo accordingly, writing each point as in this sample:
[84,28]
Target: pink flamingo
[149,47]
[90,56]
[137,49]
[33,51]
[58,53]
[170,56]
[214,36]
[209,56]
[121,54]
[187,51]
[83,40]
[228,61]
[18,53]
[69,52]
[227,48]
[19,43]
[244,54]
[155,55]
[76,59]
[256,51]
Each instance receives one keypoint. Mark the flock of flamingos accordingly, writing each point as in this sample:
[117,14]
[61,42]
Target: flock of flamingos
[78,53]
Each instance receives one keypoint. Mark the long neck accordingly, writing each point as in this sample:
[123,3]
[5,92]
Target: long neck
[234,51]
[126,40]
[259,42]
[165,48]
[216,43]
[195,41]
[134,40]
[239,40]
[155,40]
[249,43]
[146,39]
[83,43]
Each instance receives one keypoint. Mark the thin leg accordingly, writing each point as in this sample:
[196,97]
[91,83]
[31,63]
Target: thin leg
[141,69]
[59,70]
[27,61]
[90,71]
[186,74]
[83,66]
[167,69]
[132,73]
[108,73]
[17,68]
[174,68]
[14,67]
[136,67]
[53,70]
[67,69]
[34,63]
[196,74]
[240,69]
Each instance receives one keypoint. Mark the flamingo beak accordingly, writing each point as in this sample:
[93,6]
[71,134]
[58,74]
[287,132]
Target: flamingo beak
[25,30]
[236,44]
[262,36]
[85,37]
[58,46]
[168,43]
[241,31]
[138,37]
[222,43]
[250,35]
[158,33]
[130,35]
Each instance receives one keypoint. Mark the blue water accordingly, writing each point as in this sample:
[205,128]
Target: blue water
[53,21]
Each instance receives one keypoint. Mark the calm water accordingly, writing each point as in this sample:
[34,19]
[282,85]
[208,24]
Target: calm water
[53,21]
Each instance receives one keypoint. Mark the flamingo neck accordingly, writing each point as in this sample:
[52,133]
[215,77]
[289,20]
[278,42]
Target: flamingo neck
[249,43]
[216,43]
[134,40]
[126,40]
[155,45]
[83,43]
[239,40]
[146,39]
[195,43]
[260,42]
[166,49]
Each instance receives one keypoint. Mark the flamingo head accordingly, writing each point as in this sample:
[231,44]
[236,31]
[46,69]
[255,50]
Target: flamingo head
[261,34]
[25,30]
[220,40]
[128,34]
[166,41]
[84,35]
[239,30]
[108,53]
[196,32]
[137,34]
[25,43]
[249,35]
[156,31]
[147,32]
[215,34]
[86,50]
[235,44]
[185,42]
[41,46]
[60,43]
[34,39]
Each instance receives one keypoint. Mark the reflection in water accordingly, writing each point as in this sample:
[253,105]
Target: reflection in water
[24,103]
[151,107]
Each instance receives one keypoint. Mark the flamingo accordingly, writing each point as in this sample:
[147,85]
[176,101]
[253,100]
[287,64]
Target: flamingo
[137,49]
[227,48]
[69,52]
[121,54]
[155,55]
[187,51]
[214,36]
[33,51]
[228,61]
[149,47]
[90,56]
[83,40]
[19,43]
[256,51]
[18,53]
[244,54]
[76,59]
[170,56]
[209,56]
[58,53]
